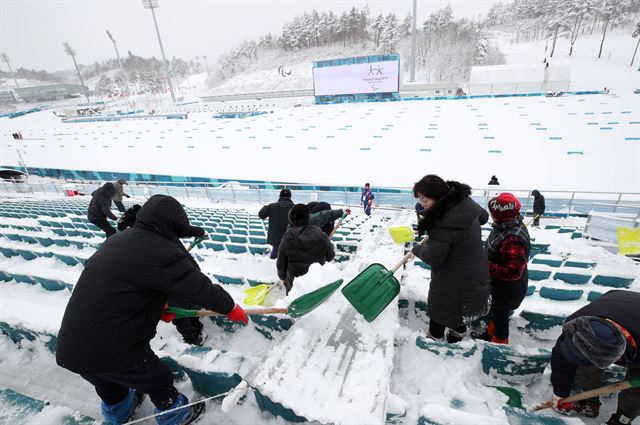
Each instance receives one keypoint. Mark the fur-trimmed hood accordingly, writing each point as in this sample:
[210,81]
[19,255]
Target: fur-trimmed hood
[449,211]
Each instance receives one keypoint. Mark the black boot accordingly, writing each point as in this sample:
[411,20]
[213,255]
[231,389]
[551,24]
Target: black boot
[484,336]
[619,418]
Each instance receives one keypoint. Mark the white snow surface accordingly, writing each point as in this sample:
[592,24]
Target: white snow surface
[366,371]
[552,138]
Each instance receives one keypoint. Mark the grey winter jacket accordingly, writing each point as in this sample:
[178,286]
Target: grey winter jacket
[459,289]
[300,247]
[100,205]
[119,192]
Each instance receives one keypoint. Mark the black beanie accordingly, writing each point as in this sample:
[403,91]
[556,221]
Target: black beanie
[285,193]
[592,340]
[431,186]
[299,215]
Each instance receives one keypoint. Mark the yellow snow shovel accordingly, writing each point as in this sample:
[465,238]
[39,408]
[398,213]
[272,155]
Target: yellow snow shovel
[257,294]
[402,234]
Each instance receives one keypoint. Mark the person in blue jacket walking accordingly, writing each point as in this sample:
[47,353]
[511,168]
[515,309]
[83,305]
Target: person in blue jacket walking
[367,198]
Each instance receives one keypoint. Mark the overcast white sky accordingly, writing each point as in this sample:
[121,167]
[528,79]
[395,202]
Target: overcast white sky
[32,31]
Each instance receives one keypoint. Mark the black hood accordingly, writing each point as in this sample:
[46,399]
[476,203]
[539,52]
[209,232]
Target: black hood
[319,206]
[107,190]
[448,211]
[305,237]
[535,194]
[165,216]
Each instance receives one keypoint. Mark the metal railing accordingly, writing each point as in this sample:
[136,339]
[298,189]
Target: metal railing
[558,203]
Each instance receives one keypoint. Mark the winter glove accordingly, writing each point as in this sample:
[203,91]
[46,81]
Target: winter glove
[562,408]
[238,315]
[126,196]
[348,211]
[167,317]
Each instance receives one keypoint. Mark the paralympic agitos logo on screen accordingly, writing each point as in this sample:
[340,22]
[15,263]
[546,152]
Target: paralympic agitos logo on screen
[374,76]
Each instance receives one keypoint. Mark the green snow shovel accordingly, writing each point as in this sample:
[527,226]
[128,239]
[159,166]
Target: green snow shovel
[374,288]
[298,307]
[613,388]
[515,397]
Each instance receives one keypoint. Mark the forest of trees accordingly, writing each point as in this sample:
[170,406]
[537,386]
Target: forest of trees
[447,47]
[31,74]
[550,19]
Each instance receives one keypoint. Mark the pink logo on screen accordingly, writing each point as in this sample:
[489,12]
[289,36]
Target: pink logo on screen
[375,77]
[375,71]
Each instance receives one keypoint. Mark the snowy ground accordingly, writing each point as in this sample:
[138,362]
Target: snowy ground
[411,383]
[389,144]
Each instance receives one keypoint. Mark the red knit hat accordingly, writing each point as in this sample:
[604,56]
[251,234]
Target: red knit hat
[504,207]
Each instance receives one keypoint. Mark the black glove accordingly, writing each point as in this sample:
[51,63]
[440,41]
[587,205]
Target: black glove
[127,195]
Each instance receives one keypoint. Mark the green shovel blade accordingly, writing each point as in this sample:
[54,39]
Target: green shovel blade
[371,291]
[308,302]
[515,397]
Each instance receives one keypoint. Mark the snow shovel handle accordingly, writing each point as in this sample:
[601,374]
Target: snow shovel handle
[195,242]
[613,388]
[182,312]
[336,227]
[407,257]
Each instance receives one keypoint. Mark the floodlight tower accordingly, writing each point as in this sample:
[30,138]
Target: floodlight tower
[68,50]
[412,76]
[115,46]
[5,59]
[153,4]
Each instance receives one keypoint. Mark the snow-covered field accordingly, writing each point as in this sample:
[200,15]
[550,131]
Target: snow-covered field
[527,142]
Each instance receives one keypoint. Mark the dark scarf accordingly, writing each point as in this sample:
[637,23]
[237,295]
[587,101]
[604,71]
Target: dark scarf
[458,192]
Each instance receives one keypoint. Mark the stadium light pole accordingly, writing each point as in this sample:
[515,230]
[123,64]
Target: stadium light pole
[5,58]
[115,46]
[68,50]
[412,76]
[153,4]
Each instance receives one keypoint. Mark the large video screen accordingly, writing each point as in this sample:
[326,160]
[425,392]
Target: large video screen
[362,78]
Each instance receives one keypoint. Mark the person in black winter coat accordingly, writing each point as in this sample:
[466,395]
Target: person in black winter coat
[100,208]
[322,215]
[507,248]
[277,213]
[302,245]
[538,207]
[128,219]
[118,301]
[459,289]
[602,333]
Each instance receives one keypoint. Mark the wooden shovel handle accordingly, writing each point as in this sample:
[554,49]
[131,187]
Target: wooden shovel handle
[613,388]
[335,229]
[408,257]
[207,313]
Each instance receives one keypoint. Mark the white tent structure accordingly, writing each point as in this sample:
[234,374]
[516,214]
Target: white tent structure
[518,79]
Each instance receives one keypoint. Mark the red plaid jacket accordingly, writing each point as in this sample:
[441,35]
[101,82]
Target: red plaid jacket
[513,260]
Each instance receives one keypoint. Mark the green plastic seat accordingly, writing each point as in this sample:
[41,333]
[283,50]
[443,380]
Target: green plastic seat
[229,279]
[559,294]
[613,281]
[235,248]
